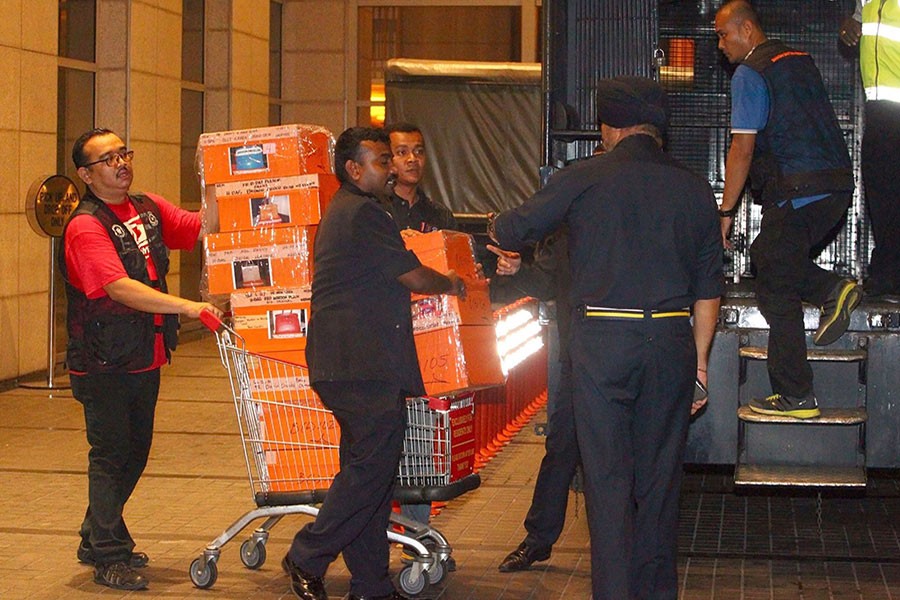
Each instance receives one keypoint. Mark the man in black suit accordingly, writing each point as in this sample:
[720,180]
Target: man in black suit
[362,364]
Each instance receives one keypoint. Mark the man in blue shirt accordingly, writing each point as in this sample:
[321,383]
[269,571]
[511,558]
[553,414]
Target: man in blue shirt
[787,141]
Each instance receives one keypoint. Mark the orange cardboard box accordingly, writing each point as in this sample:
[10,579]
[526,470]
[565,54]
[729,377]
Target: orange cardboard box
[458,358]
[277,377]
[272,202]
[294,357]
[280,151]
[301,469]
[442,251]
[259,258]
[272,319]
[442,310]
[286,426]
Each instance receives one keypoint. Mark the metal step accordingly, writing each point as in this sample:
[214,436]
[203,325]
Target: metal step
[847,356]
[829,416]
[805,476]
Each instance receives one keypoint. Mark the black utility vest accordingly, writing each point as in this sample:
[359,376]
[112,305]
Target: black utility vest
[106,336]
[801,151]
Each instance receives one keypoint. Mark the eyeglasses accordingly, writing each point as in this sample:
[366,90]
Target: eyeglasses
[113,158]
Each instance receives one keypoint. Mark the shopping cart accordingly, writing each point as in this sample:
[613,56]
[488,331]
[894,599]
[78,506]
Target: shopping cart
[291,444]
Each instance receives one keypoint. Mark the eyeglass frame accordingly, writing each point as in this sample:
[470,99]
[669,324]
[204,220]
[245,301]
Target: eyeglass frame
[126,156]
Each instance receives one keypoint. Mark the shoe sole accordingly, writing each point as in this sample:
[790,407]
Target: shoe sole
[806,413]
[130,588]
[831,331]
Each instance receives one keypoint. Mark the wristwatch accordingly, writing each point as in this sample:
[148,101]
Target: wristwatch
[491,216]
[730,212]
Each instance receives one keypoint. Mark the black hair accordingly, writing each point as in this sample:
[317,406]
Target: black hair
[402,127]
[78,156]
[348,147]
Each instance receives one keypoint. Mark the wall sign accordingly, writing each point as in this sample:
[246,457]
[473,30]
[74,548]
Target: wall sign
[51,199]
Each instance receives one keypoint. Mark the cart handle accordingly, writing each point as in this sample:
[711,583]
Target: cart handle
[210,320]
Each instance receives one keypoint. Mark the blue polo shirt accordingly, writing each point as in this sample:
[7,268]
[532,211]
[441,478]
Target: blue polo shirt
[750,112]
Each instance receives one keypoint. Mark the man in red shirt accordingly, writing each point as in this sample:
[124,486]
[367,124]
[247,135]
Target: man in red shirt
[122,325]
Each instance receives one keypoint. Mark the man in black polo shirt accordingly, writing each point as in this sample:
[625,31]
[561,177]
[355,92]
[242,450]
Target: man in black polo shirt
[645,252]
[362,364]
[408,203]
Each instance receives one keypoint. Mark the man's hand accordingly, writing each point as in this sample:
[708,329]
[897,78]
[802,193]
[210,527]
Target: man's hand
[193,310]
[726,223]
[701,394]
[698,404]
[508,263]
[457,285]
[851,31]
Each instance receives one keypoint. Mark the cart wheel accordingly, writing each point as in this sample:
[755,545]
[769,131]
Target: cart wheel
[204,573]
[410,586]
[253,553]
[435,572]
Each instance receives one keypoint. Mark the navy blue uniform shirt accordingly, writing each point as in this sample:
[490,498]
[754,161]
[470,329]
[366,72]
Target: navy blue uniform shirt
[643,230]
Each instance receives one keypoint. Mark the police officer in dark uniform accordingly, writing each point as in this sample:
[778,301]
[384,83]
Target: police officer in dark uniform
[362,364]
[645,249]
[547,278]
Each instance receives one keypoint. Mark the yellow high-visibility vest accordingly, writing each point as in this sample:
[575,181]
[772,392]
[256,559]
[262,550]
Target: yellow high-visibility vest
[879,49]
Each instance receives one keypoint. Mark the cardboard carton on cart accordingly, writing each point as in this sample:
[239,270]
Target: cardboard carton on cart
[459,358]
[264,152]
[272,320]
[259,258]
[443,251]
[271,202]
[284,379]
[301,469]
[295,435]
[303,425]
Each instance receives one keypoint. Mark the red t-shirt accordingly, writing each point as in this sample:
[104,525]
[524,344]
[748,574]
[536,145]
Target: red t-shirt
[92,261]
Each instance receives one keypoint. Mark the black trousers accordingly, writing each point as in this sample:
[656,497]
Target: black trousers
[880,149]
[354,518]
[547,515]
[118,418]
[786,277]
[632,401]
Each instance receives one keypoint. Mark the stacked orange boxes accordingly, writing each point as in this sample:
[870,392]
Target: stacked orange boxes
[455,337]
[264,192]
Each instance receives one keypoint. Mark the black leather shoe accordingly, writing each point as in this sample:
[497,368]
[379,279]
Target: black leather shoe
[395,596]
[119,576]
[138,560]
[521,558]
[304,585]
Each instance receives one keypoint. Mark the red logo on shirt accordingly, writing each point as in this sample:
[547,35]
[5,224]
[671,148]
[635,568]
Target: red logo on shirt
[136,227]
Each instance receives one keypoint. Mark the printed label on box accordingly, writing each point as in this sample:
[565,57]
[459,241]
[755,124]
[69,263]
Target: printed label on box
[246,260]
[280,151]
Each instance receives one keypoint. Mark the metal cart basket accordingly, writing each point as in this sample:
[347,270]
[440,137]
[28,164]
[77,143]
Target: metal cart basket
[291,442]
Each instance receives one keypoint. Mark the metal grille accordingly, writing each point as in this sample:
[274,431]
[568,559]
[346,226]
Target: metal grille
[603,39]
[697,77]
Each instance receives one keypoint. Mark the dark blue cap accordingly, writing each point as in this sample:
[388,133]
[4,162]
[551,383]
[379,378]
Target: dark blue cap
[627,101]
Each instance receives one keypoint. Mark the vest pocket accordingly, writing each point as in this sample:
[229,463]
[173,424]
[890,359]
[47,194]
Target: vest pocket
[120,342]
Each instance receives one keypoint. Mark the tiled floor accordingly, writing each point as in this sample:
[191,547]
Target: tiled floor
[731,546]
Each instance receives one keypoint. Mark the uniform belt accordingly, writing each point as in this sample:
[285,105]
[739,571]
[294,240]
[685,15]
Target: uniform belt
[603,312]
